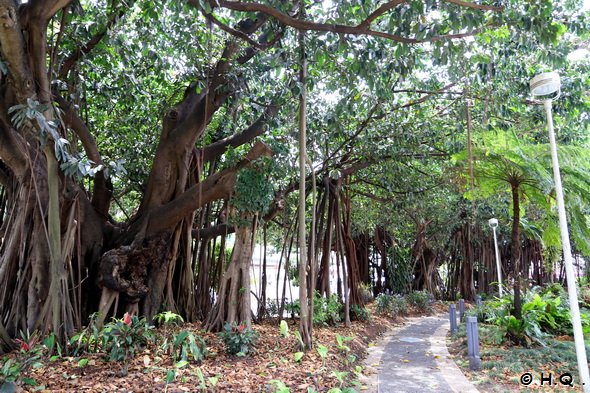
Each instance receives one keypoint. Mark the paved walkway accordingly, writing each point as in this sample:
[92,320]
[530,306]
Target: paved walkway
[413,358]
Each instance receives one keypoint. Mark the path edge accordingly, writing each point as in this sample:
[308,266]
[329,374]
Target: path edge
[449,369]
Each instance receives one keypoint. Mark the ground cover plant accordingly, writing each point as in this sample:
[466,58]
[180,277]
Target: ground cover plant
[180,356]
[540,344]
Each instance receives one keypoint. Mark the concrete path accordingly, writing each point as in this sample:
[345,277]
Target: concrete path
[413,358]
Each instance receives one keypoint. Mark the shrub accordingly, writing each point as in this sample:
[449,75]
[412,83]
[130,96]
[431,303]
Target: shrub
[365,293]
[327,311]
[168,318]
[419,299]
[543,314]
[238,339]
[88,339]
[383,303]
[399,306]
[272,307]
[293,308]
[28,356]
[359,313]
[187,346]
[122,337]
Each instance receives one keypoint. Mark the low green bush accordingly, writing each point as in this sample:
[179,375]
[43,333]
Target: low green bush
[238,339]
[399,306]
[189,346]
[122,337]
[383,303]
[419,299]
[359,313]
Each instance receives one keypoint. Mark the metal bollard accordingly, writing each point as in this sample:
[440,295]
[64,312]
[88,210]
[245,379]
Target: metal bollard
[478,300]
[461,309]
[473,344]
[453,318]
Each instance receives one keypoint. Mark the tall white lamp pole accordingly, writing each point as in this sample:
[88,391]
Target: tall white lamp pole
[547,87]
[494,224]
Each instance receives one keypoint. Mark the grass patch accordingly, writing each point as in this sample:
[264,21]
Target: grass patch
[502,365]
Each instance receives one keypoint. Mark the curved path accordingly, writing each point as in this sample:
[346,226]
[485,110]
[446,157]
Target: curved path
[414,358]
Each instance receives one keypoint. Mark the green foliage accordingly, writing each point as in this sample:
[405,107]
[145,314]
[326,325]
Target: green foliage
[399,306]
[340,342]
[322,350]
[88,339]
[419,299]
[28,356]
[284,329]
[383,303]
[391,305]
[188,346]
[327,311]
[119,339]
[168,318]
[297,356]
[122,338]
[544,314]
[253,191]
[359,313]
[238,339]
[10,371]
[204,383]
[279,386]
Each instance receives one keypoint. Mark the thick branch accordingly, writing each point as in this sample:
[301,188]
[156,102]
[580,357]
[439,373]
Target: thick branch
[46,9]
[360,29]
[13,50]
[103,189]
[380,11]
[211,232]
[216,186]
[476,6]
[216,149]
[73,121]
[12,150]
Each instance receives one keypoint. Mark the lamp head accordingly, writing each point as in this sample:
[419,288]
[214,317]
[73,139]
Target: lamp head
[546,86]
[493,222]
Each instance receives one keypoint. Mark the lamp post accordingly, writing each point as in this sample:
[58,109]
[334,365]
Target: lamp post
[494,224]
[546,87]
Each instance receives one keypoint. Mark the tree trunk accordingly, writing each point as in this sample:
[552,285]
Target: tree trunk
[515,250]
[304,295]
[233,298]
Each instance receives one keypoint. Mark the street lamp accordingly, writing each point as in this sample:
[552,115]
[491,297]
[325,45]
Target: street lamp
[546,87]
[494,224]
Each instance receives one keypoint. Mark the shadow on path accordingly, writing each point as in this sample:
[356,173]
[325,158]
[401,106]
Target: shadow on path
[414,358]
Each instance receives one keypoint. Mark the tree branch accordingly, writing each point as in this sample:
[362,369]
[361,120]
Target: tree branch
[380,11]
[91,44]
[361,29]
[211,232]
[476,6]
[12,44]
[216,186]
[12,149]
[46,9]
[72,120]
[215,149]
[103,189]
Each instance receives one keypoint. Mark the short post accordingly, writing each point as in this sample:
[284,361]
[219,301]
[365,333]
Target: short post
[453,318]
[473,344]
[478,300]
[461,309]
